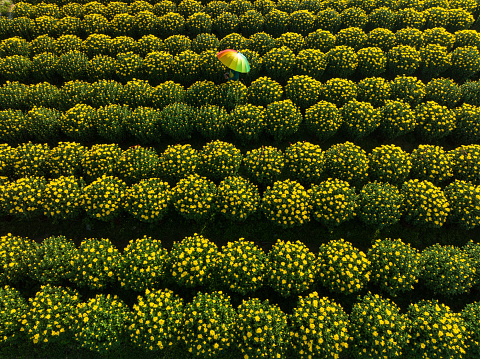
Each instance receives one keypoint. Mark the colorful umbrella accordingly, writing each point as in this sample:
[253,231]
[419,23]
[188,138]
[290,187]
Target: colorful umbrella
[234,60]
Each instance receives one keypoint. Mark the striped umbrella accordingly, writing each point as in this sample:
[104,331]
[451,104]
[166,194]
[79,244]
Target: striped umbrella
[234,60]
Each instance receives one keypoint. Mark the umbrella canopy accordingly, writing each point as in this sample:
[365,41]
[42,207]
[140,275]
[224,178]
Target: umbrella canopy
[234,60]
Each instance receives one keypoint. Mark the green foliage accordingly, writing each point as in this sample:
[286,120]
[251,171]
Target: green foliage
[79,122]
[311,62]
[279,63]
[64,159]
[381,38]
[409,89]
[211,121]
[466,163]
[43,124]
[304,162]
[354,17]
[372,61]
[467,128]
[319,39]
[276,22]
[379,204]
[465,62]
[302,22]
[323,119]
[16,257]
[176,120]
[339,91]
[303,90]
[434,121]
[204,42]
[100,160]
[247,122]
[224,24]
[137,163]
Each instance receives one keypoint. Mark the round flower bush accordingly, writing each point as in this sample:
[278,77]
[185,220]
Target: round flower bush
[95,263]
[381,18]
[212,71]
[261,330]
[319,326]
[233,41]
[353,37]
[12,126]
[431,163]
[102,199]
[13,307]
[333,202]
[471,315]
[410,17]
[395,265]
[52,261]
[178,161]
[60,198]
[359,118]
[290,268]
[465,62]
[311,62]
[198,23]
[251,22]
[342,268]
[185,67]
[443,91]
[194,261]
[142,264]
[43,124]
[448,270]
[137,163]
[290,40]
[147,44]
[91,330]
[261,43]
[304,162]
[65,159]
[464,199]
[323,119]
[157,65]
[435,60]
[201,93]
[397,118]
[176,120]
[283,119]
[342,61]
[466,163]
[237,198]
[148,200]
[104,93]
[23,198]
[194,197]
[203,42]
[166,94]
[286,203]
[279,63]
[346,161]
[79,122]
[382,38]
[219,159]
[408,89]
[409,37]
[29,159]
[162,307]
[302,22]
[403,60]
[375,90]
[112,126]
[467,128]
[276,22]
[436,329]
[16,258]
[263,91]
[211,121]
[434,121]
[242,267]
[303,90]
[264,165]
[100,160]
[424,204]
[377,328]
[247,122]
[329,19]
[354,16]
[51,315]
[339,91]
[389,163]
[229,95]
[320,40]
[379,204]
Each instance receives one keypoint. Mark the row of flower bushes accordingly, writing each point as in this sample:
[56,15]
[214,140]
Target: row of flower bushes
[301,161]
[223,22]
[288,268]
[161,322]
[286,203]
[279,63]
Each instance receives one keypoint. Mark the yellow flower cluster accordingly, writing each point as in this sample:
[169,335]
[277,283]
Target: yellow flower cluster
[412,17]
[225,24]
[102,199]
[302,21]
[148,200]
[471,315]
[464,198]
[219,159]
[395,265]
[312,62]
[101,159]
[403,60]
[409,89]
[359,118]
[157,66]
[353,37]
[194,197]
[467,128]
[347,161]
[382,18]
[237,198]
[261,43]
[323,119]
[372,61]
[251,22]
[286,203]
[465,61]
[424,204]
[60,198]
[171,23]
[176,120]
[264,165]
[176,44]
[157,320]
[187,8]
[303,90]
[339,91]
[12,125]
[247,122]
[178,161]
[79,122]
[397,118]
[149,43]
[167,93]
[434,121]
[137,163]
[129,66]
[319,39]
[431,163]
[279,62]
[342,61]
[319,327]
[13,308]
[29,159]
[198,23]
[290,268]
[16,257]
[375,90]
[142,264]
[329,18]
[443,91]
[211,121]
[389,163]
[242,266]
[354,16]
[112,124]
[304,162]
[67,43]
[263,91]
[194,261]
[342,268]
[290,40]
[23,198]
[379,204]
[466,163]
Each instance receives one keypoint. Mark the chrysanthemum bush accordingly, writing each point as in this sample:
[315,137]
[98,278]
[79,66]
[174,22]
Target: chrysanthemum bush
[290,268]
[377,329]
[237,198]
[471,315]
[286,203]
[16,68]
[323,119]
[52,262]
[359,118]
[23,197]
[466,163]
[443,91]
[147,44]
[157,66]
[102,199]
[409,36]
[43,124]
[111,126]
[137,163]
[283,119]
[16,258]
[232,41]
[342,268]
[65,159]
[424,204]
[279,63]
[242,266]
[104,93]
[194,261]
[176,120]
[389,163]
[29,159]
[178,161]
[403,60]
[264,165]
[276,22]
[409,89]
[311,62]
[43,94]
[465,62]
[60,198]
[247,122]
[348,162]
[12,125]
[79,122]
[194,197]
[396,118]
[209,323]
[333,202]
[95,263]
[290,40]
[320,40]
[91,330]
[51,315]
[100,159]
[375,90]
[203,42]
[303,90]
[261,330]
[379,204]
[304,162]
[263,91]
[431,163]
[464,199]
[395,265]
[148,200]
[467,127]
[339,91]
[342,61]
[437,331]
[434,121]
[219,159]
[142,264]
[12,308]
[230,94]
[166,94]
[435,60]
